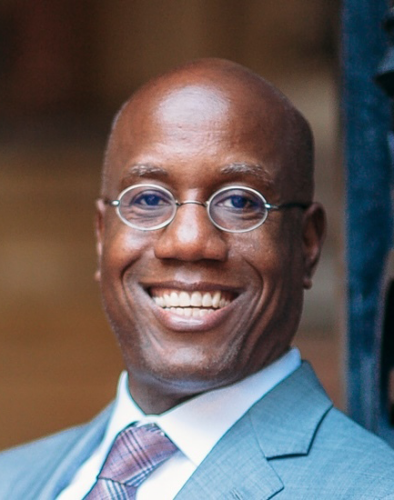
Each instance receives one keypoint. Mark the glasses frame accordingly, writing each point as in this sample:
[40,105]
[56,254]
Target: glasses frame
[177,204]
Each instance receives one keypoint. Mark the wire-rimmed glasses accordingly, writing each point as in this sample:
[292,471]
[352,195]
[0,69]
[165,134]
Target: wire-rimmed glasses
[235,209]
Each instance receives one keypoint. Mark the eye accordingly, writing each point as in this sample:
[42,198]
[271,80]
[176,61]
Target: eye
[150,199]
[142,201]
[238,201]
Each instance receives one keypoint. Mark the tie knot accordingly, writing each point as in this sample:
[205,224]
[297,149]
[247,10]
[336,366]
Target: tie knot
[136,452]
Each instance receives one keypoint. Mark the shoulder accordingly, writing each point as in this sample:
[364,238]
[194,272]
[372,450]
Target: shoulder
[351,442]
[26,466]
[344,460]
[20,461]
[361,460]
[315,449]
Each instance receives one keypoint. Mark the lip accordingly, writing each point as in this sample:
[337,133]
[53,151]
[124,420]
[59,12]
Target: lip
[172,321]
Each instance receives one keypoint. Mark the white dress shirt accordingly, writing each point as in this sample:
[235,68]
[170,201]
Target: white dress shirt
[195,426]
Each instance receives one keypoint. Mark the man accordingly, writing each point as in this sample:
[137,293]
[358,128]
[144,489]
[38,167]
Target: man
[207,236]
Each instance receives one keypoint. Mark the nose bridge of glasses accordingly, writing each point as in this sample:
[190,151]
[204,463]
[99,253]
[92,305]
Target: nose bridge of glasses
[179,204]
[189,230]
[205,204]
[191,202]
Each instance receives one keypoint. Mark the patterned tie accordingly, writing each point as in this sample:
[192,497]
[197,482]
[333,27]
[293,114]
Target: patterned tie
[136,452]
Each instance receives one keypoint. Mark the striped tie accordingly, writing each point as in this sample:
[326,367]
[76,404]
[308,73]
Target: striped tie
[136,452]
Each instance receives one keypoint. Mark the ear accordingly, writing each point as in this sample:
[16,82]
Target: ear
[313,236]
[99,229]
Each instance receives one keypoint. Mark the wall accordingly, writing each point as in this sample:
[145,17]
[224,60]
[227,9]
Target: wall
[68,67]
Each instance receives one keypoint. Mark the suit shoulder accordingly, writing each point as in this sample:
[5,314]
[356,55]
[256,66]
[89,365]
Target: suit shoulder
[31,465]
[340,431]
[344,461]
[16,461]
[364,462]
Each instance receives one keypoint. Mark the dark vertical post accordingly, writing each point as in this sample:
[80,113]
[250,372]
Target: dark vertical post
[385,79]
[366,115]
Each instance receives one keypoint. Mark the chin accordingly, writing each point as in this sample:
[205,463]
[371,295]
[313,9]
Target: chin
[188,375]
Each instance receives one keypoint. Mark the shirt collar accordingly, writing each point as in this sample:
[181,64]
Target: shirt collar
[196,425]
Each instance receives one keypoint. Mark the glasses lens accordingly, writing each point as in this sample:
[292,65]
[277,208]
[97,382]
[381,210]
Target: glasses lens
[237,209]
[146,207]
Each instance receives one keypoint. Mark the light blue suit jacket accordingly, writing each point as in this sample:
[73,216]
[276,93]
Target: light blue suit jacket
[291,445]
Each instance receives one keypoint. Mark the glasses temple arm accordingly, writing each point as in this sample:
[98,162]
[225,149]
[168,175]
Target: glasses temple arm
[292,204]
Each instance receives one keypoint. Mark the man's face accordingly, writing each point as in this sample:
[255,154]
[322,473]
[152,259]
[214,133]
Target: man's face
[194,141]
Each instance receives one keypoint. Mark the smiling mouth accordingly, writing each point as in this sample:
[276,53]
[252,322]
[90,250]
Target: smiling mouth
[195,304]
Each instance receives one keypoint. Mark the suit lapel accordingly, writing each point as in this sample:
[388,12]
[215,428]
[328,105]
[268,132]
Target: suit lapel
[282,424]
[286,419]
[234,469]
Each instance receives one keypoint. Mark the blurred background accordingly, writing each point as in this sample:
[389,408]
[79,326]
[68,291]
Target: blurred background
[66,66]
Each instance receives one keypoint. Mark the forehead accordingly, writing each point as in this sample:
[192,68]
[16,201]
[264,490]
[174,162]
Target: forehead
[194,129]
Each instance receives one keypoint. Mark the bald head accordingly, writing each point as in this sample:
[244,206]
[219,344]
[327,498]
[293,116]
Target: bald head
[189,93]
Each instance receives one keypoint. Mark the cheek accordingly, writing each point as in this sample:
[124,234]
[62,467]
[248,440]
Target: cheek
[122,246]
[122,251]
[275,254]
[265,252]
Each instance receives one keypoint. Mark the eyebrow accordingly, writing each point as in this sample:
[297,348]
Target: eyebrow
[146,169]
[142,170]
[254,170]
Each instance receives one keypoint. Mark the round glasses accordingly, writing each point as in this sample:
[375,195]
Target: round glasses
[236,209]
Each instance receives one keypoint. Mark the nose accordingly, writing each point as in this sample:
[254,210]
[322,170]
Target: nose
[191,236]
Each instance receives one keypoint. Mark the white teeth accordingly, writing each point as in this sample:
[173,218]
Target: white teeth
[159,301]
[196,300]
[207,300]
[174,299]
[190,312]
[216,300]
[182,311]
[196,313]
[196,304]
[167,300]
[184,299]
